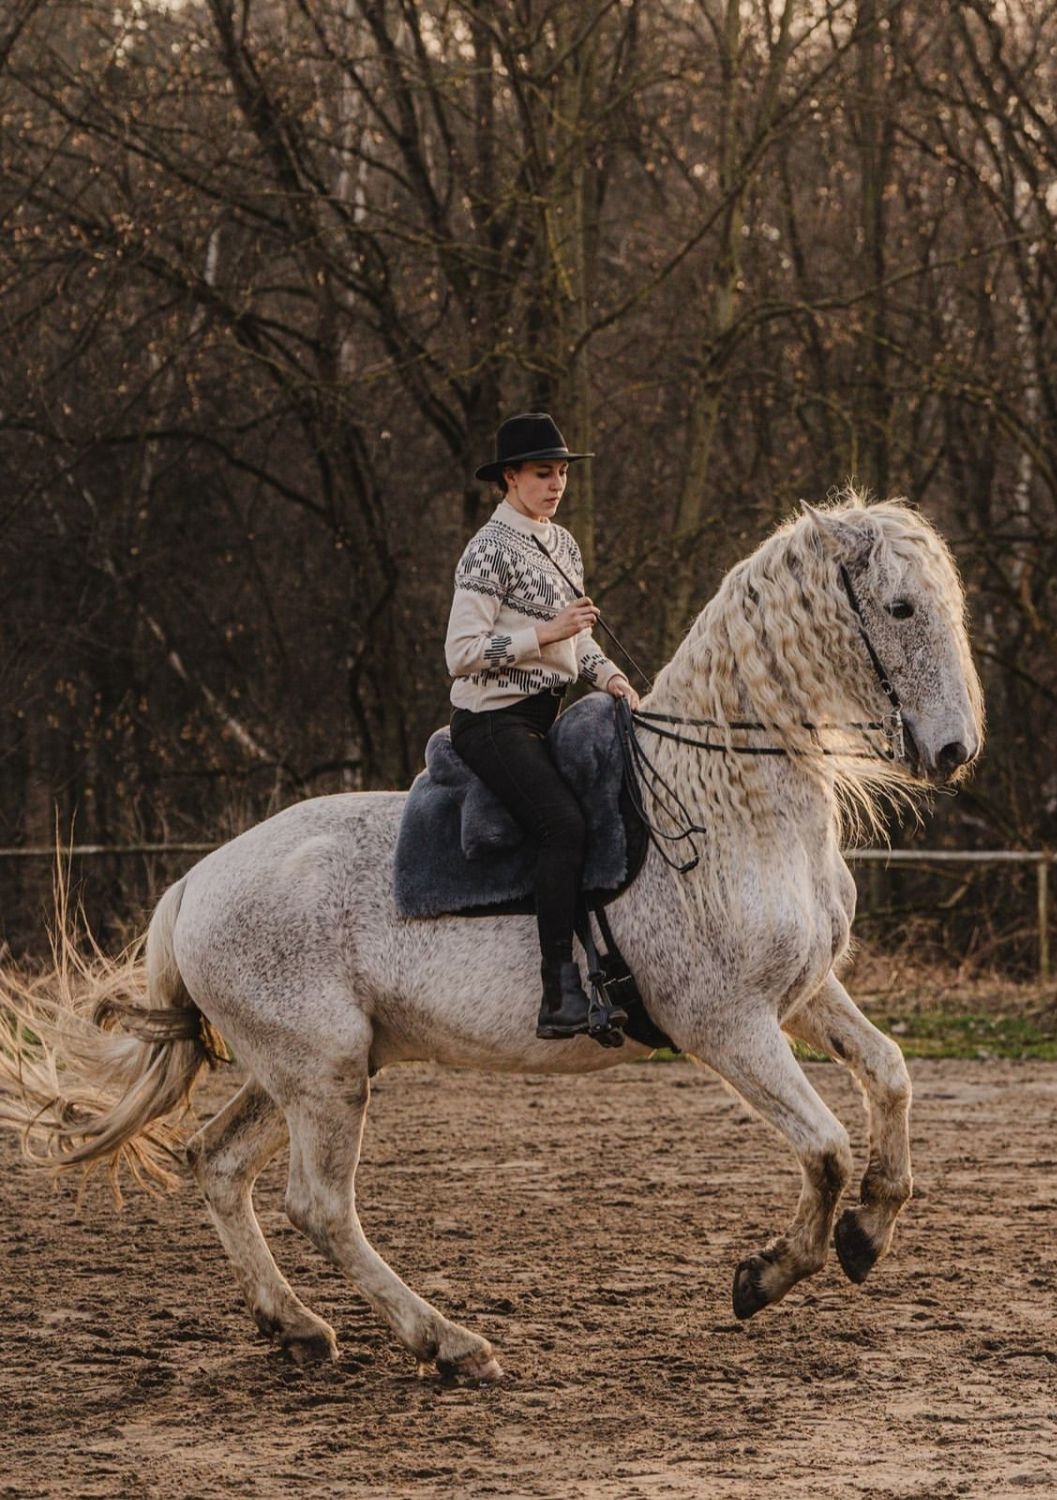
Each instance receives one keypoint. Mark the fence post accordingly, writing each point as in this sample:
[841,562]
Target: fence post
[1043,869]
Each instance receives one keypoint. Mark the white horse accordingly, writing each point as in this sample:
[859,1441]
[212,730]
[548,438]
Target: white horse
[286,940]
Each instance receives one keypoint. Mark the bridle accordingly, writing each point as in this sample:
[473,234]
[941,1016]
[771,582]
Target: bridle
[892,726]
[895,726]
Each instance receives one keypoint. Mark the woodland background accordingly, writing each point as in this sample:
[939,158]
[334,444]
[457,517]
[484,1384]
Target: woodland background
[272,271]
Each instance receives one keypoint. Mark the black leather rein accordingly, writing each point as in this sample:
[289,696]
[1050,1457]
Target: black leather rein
[642,773]
[652,722]
[892,725]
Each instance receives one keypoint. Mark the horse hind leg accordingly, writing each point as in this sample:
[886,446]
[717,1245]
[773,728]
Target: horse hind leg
[831,1022]
[755,1059]
[320,1201]
[227,1156]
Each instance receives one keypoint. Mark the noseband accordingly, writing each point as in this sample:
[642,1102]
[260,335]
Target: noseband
[895,728]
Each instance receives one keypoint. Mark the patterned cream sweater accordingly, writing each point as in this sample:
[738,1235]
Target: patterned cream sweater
[503,585]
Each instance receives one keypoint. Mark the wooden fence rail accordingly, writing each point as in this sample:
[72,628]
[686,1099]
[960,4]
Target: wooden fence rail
[1040,858]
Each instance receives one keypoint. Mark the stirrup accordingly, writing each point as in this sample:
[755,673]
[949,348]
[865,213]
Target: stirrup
[577,1013]
[604,1019]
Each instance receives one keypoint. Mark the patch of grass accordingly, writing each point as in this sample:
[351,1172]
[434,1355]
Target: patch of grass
[972,1035]
[967,1035]
[900,983]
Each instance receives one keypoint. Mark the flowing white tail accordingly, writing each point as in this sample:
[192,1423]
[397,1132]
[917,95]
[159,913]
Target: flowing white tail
[81,1093]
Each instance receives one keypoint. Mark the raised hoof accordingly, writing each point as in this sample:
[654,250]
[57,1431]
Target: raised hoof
[856,1251]
[749,1296]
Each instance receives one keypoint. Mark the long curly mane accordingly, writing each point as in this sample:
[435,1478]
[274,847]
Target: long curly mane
[779,644]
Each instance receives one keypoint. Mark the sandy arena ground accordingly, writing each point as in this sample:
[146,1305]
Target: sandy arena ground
[590,1228]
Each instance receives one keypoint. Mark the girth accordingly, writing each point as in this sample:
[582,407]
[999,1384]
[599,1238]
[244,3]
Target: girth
[609,973]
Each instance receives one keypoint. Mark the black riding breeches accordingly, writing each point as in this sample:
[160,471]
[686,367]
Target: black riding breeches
[507,748]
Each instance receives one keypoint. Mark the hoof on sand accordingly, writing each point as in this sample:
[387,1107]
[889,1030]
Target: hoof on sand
[472,1369]
[313,1349]
[856,1251]
[749,1296]
[311,1346]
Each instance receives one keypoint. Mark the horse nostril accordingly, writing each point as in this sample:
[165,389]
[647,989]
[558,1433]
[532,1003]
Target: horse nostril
[952,756]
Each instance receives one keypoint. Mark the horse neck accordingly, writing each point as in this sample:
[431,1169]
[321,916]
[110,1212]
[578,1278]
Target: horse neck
[689,687]
[704,680]
[757,792]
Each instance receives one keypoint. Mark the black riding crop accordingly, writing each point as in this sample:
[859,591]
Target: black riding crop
[577,593]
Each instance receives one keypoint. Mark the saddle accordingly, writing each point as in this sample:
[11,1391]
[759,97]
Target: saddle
[460,853]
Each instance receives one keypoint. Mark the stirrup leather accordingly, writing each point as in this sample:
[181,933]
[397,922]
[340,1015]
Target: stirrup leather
[604,1019]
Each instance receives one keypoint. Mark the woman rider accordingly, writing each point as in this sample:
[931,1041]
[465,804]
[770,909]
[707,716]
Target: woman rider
[516,641]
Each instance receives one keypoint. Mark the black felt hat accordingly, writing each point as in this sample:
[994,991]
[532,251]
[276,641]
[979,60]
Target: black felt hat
[533,434]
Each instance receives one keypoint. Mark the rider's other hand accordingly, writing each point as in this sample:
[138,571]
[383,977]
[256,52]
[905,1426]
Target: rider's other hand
[620,687]
[575,617]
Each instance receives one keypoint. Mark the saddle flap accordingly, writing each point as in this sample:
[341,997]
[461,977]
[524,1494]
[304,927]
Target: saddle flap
[485,825]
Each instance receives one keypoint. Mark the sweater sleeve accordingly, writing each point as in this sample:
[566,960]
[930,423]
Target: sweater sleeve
[473,644]
[593,665]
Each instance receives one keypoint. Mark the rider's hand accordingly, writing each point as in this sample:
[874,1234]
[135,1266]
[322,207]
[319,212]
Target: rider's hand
[579,615]
[620,687]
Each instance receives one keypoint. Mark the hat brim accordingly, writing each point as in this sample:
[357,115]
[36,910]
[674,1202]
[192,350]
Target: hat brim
[495,469]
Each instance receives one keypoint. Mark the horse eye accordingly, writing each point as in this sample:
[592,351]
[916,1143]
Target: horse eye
[901,609]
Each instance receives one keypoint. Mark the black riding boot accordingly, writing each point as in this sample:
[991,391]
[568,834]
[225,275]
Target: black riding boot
[565,1006]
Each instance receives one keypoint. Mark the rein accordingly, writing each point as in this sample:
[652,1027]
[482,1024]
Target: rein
[598,614]
[651,722]
[891,726]
[640,770]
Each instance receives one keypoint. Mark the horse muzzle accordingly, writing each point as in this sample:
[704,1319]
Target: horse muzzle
[942,765]
[951,758]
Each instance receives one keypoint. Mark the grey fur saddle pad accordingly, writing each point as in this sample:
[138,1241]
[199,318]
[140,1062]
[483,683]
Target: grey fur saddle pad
[460,849]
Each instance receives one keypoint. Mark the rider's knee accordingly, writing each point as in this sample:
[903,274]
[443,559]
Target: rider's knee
[565,827]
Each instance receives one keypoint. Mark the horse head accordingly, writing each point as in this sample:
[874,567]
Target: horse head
[900,632]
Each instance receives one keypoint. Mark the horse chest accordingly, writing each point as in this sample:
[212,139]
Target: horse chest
[773,936]
[807,932]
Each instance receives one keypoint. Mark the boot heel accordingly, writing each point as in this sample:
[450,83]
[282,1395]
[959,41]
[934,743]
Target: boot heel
[565,1010]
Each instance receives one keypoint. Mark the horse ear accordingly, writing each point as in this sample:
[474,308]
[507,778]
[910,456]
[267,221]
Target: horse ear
[838,536]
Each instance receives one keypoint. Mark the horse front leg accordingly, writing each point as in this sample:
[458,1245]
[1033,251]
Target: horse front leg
[326,1126]
[831,1022]
[755,1059]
